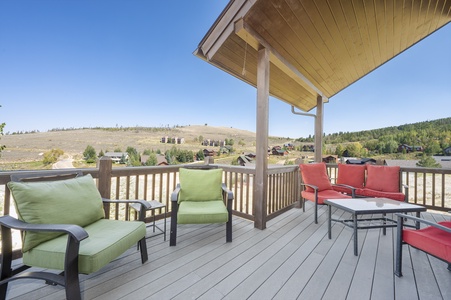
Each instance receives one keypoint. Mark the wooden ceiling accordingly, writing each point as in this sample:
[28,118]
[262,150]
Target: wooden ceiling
[318,47]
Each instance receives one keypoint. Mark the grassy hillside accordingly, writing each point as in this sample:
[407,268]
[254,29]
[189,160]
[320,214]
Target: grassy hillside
[24,151]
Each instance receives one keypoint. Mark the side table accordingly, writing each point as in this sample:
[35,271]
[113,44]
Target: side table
[154,204]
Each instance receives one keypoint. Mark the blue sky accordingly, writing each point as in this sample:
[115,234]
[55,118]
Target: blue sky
[80,63]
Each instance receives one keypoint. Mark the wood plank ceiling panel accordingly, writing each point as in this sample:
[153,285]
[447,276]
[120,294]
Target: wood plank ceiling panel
[283,39]
[332,43]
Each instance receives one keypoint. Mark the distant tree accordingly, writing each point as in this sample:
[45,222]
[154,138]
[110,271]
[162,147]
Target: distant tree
[391,146]
[354,149]
[427,161]
[339,150]
[152,160]
[101,154]
[90,154]
[50,157]
[433,148]
[241,143]
[201,139]
[133,157]
[200,155]
[147,152]
[117,150]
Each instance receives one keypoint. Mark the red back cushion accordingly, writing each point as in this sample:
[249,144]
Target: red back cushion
[351,175]
[382,178]
[315,174]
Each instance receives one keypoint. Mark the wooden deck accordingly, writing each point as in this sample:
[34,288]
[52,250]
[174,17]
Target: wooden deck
[292,258]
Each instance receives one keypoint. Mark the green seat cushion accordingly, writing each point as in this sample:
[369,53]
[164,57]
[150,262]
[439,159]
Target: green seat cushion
[200,185]
[107,240]
[202,212]
[71,201]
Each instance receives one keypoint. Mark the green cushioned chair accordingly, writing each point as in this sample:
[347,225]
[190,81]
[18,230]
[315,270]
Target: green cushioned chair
[201,198]
[63,226]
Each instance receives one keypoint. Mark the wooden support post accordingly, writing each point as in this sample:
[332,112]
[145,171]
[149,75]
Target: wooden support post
[105,165]
[261,166]
[319,129]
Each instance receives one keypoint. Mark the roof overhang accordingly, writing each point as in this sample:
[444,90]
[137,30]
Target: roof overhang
[318,47]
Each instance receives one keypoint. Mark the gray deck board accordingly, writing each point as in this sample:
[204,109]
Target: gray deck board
[292,258]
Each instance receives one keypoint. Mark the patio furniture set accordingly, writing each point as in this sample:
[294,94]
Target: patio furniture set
[375,190]
[63,223]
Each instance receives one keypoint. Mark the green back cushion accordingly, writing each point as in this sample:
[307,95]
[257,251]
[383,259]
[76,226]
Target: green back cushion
[72,201]
[315,174]
[200,185]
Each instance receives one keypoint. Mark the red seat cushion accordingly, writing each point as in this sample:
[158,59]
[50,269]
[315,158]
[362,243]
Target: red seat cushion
[431,240]
[379,194]
[351,175]
[383,178]
[323,195]
[315,174]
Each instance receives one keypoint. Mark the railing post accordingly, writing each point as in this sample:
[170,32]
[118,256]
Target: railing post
[105,165]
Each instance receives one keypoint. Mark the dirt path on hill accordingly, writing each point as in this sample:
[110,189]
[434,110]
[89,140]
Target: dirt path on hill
[64,163]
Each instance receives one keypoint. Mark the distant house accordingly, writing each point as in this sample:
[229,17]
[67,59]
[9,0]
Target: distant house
[245,160]
[209,152]
[165,140]
[408,148]
[447,151]
[117,157]
[277,150]
[161,160]
[331,159]
[361,161]
[288,146]
[180,140]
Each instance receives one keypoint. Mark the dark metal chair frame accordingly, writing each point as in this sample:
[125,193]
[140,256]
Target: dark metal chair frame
[399,239]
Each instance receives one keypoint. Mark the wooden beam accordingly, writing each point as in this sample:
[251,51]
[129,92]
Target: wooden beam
[319,129]
[253,39]
[261,165]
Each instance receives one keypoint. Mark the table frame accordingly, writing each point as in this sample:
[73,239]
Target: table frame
[154,204]
[353,222]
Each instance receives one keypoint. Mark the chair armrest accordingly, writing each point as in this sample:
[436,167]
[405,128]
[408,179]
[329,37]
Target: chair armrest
[427,222]
[351,188]
[175,193]
[310,185]
[228,192]
[77,232]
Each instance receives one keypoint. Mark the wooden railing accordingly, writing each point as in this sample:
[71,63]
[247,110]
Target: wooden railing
[157,183]
[428,187]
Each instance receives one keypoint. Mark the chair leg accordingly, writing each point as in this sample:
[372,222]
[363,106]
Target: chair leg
[449,267]
[6,260]
[72,283]
[316,213]
[173,233]
[229,230]
[398,267]
[143,247]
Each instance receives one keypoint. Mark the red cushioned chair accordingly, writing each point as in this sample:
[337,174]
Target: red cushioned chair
[435,240]
[317,186]
[383,182]
[350,178]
